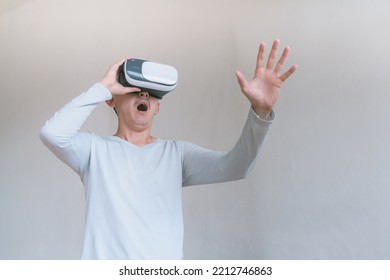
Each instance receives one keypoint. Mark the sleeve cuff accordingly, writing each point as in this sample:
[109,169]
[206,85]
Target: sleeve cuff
[104,92]
[270,119]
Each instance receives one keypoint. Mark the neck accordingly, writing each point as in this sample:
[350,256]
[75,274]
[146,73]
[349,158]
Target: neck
[137,138]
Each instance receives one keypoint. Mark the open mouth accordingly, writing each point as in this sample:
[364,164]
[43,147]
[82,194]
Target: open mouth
[142,105]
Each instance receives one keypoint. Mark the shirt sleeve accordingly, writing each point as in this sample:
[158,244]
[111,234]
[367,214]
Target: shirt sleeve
[61,132]
[203,166]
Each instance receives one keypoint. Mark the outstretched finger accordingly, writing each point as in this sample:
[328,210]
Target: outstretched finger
[272,54]
[282,59]
[260,57]
[288,72]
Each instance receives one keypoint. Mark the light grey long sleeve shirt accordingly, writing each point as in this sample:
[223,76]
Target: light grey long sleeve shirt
[133,194]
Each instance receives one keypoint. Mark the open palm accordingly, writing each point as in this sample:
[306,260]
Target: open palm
[263,90]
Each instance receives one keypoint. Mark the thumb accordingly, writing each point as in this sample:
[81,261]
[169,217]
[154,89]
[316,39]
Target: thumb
[125,90]
[242,81]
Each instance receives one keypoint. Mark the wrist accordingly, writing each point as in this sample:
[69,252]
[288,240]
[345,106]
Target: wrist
[262,112]
[106,84]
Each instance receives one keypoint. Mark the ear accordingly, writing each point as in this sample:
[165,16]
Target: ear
[157,108]
[111,103]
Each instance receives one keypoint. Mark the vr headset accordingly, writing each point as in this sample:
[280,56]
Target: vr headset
[154,78]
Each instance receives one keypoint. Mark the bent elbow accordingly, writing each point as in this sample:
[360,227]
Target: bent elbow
[243,172]
[45,134]
[240,175]
[244,175]
[52,138]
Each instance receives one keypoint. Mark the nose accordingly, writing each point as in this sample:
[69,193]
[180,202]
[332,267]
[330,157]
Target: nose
[143,94]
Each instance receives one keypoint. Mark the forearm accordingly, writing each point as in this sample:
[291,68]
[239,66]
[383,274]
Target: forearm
[59,131]
[241,159]
[203,166]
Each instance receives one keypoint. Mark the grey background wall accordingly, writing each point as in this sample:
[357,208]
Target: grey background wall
[321,187]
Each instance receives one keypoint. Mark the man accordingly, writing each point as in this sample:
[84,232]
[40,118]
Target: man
[133,180]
